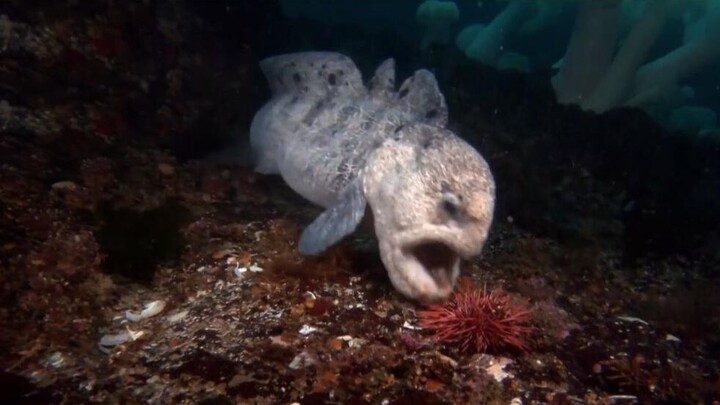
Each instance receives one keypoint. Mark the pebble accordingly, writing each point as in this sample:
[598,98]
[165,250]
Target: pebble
[151,309]
[166,169]
[64,185]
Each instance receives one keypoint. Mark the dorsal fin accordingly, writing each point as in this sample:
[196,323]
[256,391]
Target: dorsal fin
[383,82]
[314,74]
[420,96]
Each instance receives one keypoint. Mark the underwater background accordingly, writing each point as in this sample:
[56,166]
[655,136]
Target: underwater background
[142,260]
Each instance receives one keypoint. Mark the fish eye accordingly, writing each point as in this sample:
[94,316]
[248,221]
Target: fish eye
[450,204]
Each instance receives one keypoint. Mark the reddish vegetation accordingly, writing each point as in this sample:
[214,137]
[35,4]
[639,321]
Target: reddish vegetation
[478,320]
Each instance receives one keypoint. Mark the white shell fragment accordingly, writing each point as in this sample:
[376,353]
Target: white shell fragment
[446,359]
[151,309]
[302,360]
[64,185]
[632,319]
[56,360]
[177,317]
[306,330]
[356,342]
[672,338]
[240,271]
[408,325]
[109,341]
[351,341]
[496,368]
[615,398]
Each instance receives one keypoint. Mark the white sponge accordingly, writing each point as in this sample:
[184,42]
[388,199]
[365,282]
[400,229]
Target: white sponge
[437,17]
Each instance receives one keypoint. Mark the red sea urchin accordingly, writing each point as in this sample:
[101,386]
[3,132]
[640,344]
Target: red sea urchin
[478,320]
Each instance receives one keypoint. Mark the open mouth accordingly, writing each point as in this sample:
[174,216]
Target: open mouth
[439,261]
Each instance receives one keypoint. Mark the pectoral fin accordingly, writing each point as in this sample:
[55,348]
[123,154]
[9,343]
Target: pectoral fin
[336,222]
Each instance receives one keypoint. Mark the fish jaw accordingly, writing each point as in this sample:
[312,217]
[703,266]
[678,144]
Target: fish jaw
[424,263]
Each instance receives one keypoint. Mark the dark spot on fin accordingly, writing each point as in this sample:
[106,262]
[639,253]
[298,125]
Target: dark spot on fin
[420,96]
[301,74]
[314,112]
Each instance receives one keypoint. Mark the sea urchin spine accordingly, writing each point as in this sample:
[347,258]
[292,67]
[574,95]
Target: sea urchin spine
[477,320]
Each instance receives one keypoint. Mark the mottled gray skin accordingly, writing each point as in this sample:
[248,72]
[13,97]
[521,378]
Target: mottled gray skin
[348,148]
